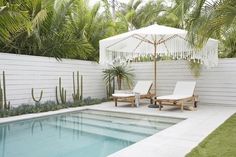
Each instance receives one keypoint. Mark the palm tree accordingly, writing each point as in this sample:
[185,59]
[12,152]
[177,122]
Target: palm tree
[177,14]
[137,14]
[89,25]
[211,19]
[12,20]
[228,43]
[120,73]
[45,30]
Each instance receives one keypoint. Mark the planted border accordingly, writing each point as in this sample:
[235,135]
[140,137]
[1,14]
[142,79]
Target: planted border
[47,106]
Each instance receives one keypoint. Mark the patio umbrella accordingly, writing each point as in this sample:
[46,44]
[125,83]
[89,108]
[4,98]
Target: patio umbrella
[156,40]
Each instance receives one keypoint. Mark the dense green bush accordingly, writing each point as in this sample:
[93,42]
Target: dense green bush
[73,28]
[47,106]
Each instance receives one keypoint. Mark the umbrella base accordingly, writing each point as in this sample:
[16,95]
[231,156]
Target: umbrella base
[154,106]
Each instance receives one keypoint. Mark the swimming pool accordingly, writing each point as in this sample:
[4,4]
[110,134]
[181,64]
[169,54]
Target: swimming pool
[86,133]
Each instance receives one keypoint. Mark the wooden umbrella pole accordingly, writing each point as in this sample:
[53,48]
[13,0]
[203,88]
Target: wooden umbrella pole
[155,69]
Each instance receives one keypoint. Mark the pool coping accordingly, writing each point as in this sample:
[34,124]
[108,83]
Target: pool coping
[38,115]
[66,110]
[178,139]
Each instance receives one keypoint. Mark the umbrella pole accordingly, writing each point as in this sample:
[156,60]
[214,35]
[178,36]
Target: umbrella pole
[155,69]
[155,76]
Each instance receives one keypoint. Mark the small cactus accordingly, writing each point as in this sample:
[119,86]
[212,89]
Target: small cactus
[40,97]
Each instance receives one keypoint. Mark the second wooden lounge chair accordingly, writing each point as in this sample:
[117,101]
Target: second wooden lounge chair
[142,88]
[184,91]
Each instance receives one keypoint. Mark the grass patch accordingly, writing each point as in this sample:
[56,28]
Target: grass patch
[220,143]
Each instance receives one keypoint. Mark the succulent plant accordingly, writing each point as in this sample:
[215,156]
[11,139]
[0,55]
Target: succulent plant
[77,89]
[3,97]
[40,97]
[62,93]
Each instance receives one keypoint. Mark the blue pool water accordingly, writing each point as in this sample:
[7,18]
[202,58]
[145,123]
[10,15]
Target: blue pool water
[87,133]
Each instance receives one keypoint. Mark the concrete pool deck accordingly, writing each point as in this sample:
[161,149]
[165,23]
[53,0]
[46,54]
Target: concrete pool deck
[176,140]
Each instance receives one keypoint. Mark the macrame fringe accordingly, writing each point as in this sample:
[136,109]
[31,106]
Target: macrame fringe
[208,57]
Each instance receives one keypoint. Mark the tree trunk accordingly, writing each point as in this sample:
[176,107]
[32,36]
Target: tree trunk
[119,82]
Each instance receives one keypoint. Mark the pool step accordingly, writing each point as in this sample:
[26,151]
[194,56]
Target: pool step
[160,119]
[126,121]
[127,136]
[113,125]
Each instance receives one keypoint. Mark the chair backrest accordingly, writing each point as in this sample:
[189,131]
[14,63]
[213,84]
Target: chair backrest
[184,88]
[142,87]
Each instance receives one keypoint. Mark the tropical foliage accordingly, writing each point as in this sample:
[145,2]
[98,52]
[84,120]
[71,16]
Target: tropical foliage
[215,19]
[56,28]
[73,28]
[120,73]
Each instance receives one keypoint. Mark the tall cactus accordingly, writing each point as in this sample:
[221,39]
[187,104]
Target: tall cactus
[81,86]
[3,97]
[4,89]
[40,97]
[62,93]
[77,89]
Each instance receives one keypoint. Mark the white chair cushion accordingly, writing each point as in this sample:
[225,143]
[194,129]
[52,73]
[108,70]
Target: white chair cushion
[122,95]
[172,97]
[142,87]
[184,88]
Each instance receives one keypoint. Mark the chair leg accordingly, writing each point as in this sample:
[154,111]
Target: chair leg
[195,101]
[182,106]
[159,105]
[132,103]
[151,101]
[115,99]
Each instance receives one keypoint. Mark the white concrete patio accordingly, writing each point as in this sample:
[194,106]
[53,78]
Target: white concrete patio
[179,139]
[176,141]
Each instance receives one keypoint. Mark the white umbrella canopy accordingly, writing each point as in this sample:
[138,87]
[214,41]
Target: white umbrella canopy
[156,40]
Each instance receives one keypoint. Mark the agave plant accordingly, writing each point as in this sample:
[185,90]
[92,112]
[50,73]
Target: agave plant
[120,73]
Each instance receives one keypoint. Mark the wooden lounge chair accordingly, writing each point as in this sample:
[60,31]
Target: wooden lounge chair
[142,88]
[183,92]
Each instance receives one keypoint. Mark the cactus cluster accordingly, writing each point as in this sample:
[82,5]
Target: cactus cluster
[40,97]
[62,93]
[3,97]
[77,94]
[77,89]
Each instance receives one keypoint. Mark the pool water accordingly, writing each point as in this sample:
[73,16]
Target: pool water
[87,133]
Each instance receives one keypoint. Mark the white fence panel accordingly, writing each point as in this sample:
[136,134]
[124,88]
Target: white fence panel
[42,73]
[216,85]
